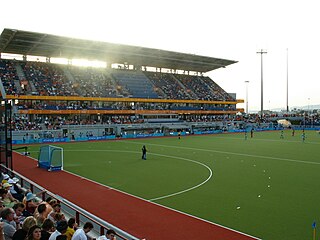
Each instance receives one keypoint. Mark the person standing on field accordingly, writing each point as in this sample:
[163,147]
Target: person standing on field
[144,152]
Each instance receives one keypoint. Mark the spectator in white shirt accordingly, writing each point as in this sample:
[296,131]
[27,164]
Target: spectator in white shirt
[110,235]
[60,229]
[80,234]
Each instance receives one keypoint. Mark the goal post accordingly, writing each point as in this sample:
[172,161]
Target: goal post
[50,158]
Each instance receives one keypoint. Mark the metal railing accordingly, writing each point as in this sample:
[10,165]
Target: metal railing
[70,209]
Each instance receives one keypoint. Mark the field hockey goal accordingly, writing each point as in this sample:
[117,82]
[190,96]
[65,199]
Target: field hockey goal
[50,158]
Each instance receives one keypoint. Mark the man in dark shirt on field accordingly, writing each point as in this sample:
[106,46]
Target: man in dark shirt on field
[144,152]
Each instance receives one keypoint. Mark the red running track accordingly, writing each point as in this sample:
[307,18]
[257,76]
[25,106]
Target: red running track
[138,217]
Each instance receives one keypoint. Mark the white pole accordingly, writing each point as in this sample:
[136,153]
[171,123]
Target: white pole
[247,103]
[287,82]
[261,53]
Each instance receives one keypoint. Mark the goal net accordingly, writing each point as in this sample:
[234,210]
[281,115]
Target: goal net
[50,158]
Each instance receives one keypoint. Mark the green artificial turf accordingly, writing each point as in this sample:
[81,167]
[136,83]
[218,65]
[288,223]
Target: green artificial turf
[263,186]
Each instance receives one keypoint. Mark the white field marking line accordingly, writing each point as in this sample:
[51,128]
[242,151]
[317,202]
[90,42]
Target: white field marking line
[180,158]
[231,153]
[186,190]
[271,140]
[172,209]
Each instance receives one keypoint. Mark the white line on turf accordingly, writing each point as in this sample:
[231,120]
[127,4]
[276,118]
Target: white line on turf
[114,189]
[167,207]
[161,155]
[186,190]
[231,153]
[267,140]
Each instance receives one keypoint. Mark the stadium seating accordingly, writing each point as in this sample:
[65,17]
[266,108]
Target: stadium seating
[46,79]
[138,85]
[90,82]
[8,76]
[168,85]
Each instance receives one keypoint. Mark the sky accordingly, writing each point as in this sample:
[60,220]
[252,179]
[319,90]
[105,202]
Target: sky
[228,29]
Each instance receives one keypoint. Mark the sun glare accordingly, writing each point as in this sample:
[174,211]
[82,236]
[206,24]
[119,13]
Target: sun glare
[59,60]
[75,62]
[88,63]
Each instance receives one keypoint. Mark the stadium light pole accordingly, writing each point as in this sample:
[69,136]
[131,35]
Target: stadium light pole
[287,82]
[247,103]
[261,53]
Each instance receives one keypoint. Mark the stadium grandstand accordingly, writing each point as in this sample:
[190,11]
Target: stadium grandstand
[135,80]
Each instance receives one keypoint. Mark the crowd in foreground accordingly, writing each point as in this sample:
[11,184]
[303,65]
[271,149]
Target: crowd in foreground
[25,217]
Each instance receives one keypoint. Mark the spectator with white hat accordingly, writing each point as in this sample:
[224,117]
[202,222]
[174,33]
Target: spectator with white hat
[15,190]
[5,177]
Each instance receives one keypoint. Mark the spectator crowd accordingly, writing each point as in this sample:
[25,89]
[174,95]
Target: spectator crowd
[46,79]
[23,216]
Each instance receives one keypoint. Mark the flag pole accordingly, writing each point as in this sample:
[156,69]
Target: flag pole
[314,234]
[314,230]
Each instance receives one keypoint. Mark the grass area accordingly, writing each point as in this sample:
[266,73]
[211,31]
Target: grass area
[274,181]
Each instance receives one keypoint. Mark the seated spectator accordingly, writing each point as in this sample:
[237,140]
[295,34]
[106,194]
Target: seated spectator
[16,191]
[18,212]
[1,206]
[7,197]
[110,235]
[47,229]
[49,203]
[56,208]
[72,227]
[80,234]
[60,229]
[40,213]
[34,233]
[9,225]
[1,231]
[31,205]
[61,237]
[5,178]
[58,217]
[21,234]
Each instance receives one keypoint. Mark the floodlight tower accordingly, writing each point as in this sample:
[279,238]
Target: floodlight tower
[247,103]
[287,83]
[261,53]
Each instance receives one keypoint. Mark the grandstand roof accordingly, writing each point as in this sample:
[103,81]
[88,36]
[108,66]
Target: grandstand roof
[40,44]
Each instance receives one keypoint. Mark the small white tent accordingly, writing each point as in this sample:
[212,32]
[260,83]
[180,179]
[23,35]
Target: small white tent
[284,122]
